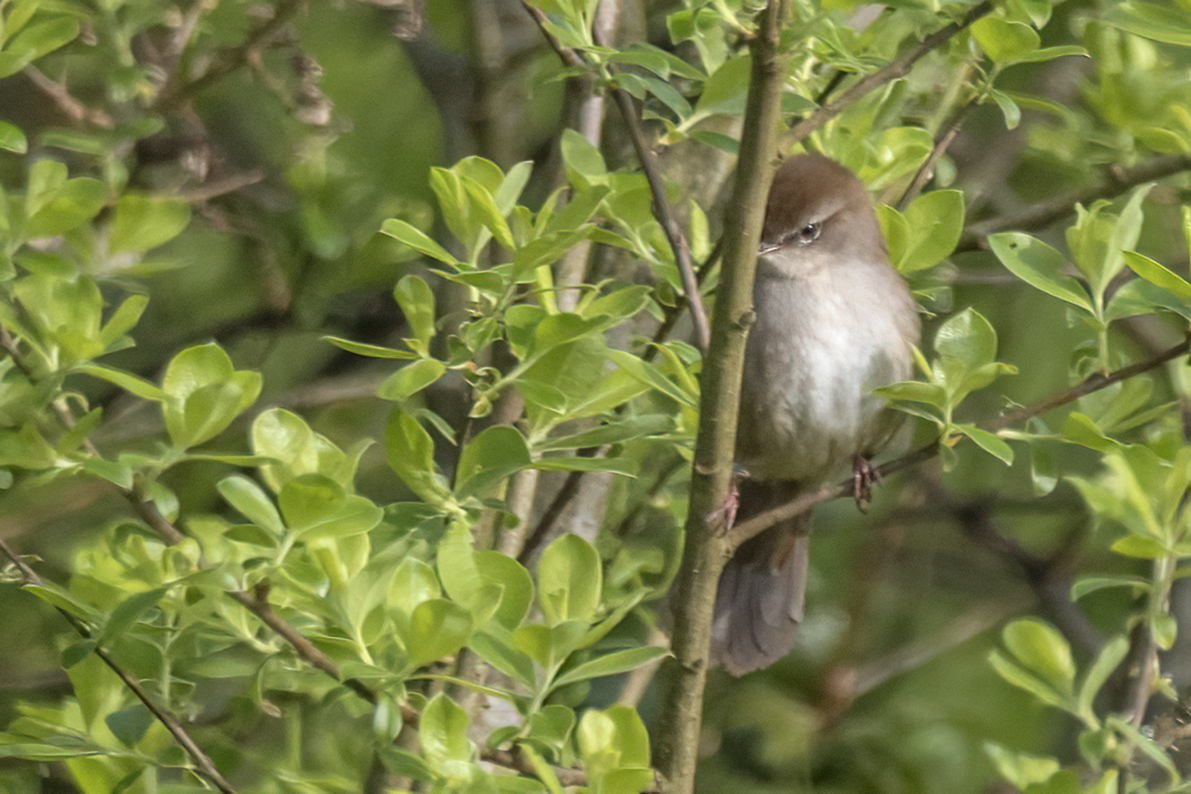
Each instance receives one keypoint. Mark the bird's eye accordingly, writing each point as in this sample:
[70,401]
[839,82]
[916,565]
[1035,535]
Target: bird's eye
[808,233]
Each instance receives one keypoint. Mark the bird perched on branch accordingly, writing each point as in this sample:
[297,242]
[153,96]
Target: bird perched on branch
[834,320]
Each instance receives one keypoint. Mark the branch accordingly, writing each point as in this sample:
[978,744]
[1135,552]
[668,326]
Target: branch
[704,552]
[657,187]
[927,170]
[808,501]
[229,60]
[206,767]
[1116,181]
[895,69]
[66,102]
[661,211]
[1044,575]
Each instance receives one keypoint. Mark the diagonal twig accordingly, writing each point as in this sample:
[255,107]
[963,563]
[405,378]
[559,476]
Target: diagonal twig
[229,60]
[808,501]
[205,766]
[895,69]
[657,188]
[1116,181]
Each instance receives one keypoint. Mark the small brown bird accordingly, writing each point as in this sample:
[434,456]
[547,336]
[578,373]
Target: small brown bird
[834,320]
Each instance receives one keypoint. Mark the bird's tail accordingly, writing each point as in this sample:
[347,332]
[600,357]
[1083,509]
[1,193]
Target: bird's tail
[761,594]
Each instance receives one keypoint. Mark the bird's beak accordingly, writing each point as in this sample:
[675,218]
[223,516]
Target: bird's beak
[765,248]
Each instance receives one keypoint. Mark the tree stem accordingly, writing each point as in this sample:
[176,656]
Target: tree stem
[704,553]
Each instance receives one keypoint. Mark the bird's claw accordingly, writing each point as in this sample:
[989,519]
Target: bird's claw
[864,476]
[723,518]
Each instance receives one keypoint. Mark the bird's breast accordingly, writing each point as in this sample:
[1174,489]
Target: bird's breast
[818,347]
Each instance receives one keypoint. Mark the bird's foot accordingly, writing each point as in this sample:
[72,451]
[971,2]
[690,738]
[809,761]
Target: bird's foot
[723,518]
[864,476]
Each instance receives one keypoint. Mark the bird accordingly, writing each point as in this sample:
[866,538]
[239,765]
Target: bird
[833,321]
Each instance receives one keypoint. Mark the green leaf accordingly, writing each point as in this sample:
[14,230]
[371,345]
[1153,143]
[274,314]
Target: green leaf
[1022,679]
[416,239]
[1157,274]
[967,338]
[128,612]
[724,91]
[934,222]
[1009,108]
[48,752]
[1164,630]
[12,139]
[251,501]
[35,41]
[404,763]
[124,319]
[612,664]
[409,451]
[569,577]
[1090,584]
[1140,546]
[1050,53]
[1041,650]
[989,442]
[649,375]
[616,432]
[129,725]
[73,203]
[1110,657]
[46,178]
[514,581]
[494,644]
[1158,21]
[914,391]
[442,732]
[437,628]
[494,454]
[585,165]
[25,448]
[549,646]
[613,738]
[57,597]
[315,506]
[204,394]
[1021,769]
[140,222]
[210,409]
[410,379]
[1039,265]
[1146,745]
[1004,41]
[461,576]
[371,351]
[416,300]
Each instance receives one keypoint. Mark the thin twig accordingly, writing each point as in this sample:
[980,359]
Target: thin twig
[808,501]
[915,654]
[895,69]
[661,211]
[206,767]
[927,170]
[229,60]
[657,186]
[1092,383]
[567,55]
[1116,181]
[222,186]
[66,101]
[1044,575]
[554,511]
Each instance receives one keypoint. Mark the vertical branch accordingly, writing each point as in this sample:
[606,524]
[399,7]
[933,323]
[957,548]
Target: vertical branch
[706,550]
